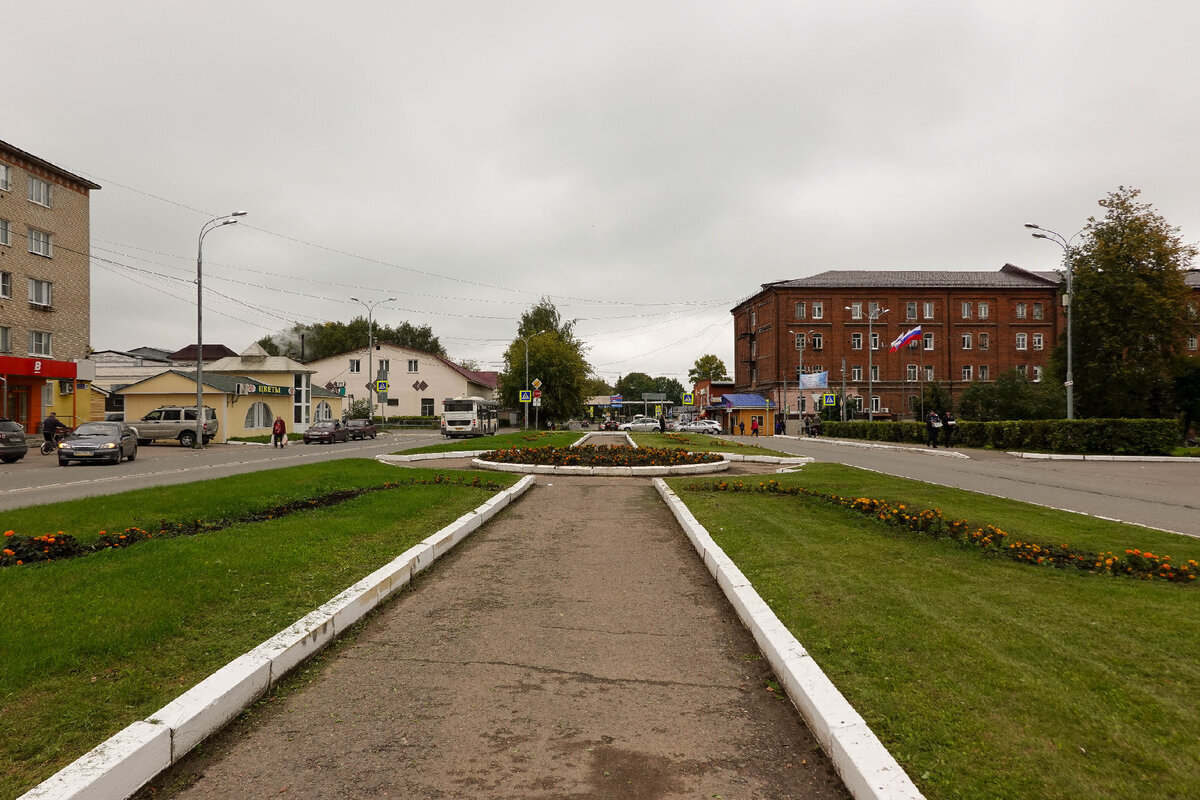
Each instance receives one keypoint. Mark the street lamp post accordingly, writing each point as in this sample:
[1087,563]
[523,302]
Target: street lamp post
[1065,244]
[872,315]
[371,350]
[799,382]
[526,339]
[211,225]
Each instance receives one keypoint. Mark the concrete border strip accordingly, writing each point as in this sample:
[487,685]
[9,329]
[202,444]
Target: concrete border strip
[130,758]
[866,767]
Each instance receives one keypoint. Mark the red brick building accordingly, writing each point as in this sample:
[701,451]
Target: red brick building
[974,326]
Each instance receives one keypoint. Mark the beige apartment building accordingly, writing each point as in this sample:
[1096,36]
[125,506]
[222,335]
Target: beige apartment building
[45,288]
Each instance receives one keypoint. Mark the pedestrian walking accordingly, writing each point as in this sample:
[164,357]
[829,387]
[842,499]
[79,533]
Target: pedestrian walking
[742,427]
[754,426]
[278,432]
[948,425]
[932,423]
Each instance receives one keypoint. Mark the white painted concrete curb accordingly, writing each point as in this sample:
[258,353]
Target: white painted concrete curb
[126,761]
[866,767]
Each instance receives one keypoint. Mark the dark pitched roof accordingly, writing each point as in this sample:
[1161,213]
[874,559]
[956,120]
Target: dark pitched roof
[1008,277]
[212,352]
[30,158]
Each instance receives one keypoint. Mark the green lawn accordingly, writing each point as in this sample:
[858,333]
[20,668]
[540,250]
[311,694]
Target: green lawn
[90,644]
[984,677]
[502,440]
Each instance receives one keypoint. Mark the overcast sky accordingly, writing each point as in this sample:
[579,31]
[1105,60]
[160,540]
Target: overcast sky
[646,165]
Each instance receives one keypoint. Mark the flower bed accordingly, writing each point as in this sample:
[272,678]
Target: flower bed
[590,456]
[20,549]
[929,521]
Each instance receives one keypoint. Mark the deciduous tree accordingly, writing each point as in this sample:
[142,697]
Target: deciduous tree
[707,367]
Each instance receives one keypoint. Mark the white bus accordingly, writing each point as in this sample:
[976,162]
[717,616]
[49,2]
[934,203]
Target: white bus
[468,416]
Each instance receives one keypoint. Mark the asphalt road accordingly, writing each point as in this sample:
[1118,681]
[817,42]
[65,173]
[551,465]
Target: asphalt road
[39,479]
[1155,494]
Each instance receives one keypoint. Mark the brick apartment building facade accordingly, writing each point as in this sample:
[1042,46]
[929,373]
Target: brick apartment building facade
[974,326]
[45,288]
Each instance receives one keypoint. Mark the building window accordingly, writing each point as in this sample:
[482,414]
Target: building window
[753,353]
[801,341]
[929,372]
[1037,310]
[856,311]
[753,321]
[39,343]
[858,403]
[322,412]
[1022,341]
[1192,342]
[355,366]
[384,365]
[910,310]
[1020,311]
[818,341]
[1037,341]
[5,340]
[39,243]
[801,310]
[912,374]
[5,232]
[928,339]
[966,309]
[815,368]
[874,372]
[6,285]
[856,341]
[874,340]
[1024,370]
[873,310]
[928,310]
[966,341]
[426,406]
[413,364]
[984,341]
[966,374]
[39,292]
[983,372]
[856,373]
[258,415]
[875,406]
[5,178]
[983,310]
[39,191]
[818,310]
[1037,374]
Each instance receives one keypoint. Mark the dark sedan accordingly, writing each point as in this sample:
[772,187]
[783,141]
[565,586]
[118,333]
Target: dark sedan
[98,441]
[360,428]
[327,432]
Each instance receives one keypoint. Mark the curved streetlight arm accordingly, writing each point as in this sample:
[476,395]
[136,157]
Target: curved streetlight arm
[1068,296]
[207,228]
[371,349]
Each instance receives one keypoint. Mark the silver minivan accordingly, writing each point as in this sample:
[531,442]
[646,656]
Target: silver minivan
[175,422]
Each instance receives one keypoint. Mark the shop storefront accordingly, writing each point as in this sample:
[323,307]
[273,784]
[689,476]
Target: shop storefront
[32,387]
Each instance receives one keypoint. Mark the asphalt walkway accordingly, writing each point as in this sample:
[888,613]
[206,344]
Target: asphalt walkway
[574,647]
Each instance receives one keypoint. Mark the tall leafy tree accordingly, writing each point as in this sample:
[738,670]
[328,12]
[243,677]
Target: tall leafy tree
[556,357]
[1012,396]
[707,367]
[634,385]
[1130,309]
[312,341]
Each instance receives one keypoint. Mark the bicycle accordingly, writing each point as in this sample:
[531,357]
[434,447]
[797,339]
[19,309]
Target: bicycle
[51,445]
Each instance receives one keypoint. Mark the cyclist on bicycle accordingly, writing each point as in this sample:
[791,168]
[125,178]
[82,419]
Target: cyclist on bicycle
[50,425]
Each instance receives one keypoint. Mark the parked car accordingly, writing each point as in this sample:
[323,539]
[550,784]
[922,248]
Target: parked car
[701,426]
[360,428]
[641,425]
[327,431]
[13,444]
[98,441]
[175,422]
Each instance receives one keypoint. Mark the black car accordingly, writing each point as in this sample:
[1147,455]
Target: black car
[326,431]
[13,445]
[360,428]
[98,441]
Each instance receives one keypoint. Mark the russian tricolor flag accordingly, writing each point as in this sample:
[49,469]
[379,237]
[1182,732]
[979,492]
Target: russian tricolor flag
[905,338]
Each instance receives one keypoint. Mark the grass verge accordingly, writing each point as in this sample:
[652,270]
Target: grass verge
[91,644]
[984,677]
[502,440]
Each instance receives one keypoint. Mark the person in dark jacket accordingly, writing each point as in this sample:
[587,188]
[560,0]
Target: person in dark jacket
[932,423]
[948,425]
[278,432]
[51,425]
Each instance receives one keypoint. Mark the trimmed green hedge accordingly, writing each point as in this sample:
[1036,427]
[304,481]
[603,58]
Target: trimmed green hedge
[1120,437]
